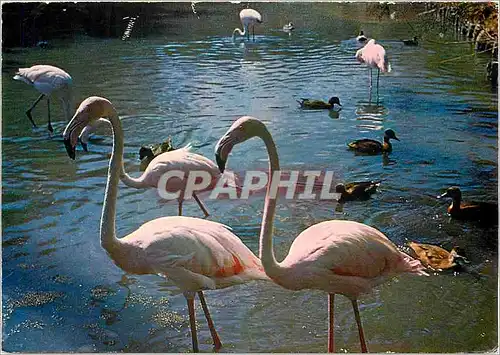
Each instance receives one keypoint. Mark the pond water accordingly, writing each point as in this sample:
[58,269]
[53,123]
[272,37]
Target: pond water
[61,292]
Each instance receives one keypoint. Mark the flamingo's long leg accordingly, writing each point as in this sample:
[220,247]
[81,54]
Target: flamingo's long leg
[192,320]
[28,112]
[364,349]
[49,125]
[331,330]
[180,206]
[213,331]
[378,76]
[202,206]
[253,32]
[370,86]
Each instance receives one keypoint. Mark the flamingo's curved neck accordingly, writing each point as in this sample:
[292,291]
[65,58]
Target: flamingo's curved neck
[266,253]
[108,231]
[238,31]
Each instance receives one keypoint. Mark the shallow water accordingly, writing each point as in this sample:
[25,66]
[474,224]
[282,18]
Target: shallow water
[61,292]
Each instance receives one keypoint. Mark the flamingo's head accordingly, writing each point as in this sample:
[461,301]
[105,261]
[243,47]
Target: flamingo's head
[89,111]
[241,130]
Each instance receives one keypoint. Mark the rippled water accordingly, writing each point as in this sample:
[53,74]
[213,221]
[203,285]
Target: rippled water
[61,292]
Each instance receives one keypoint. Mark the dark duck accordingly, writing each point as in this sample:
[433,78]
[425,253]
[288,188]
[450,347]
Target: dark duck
[361,37]
[318,104]
[372,147]
[360,190]
[411,42]
[484,212]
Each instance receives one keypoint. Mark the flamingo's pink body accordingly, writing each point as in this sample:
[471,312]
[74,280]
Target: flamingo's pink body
[373,54]
[195,254]
[47,80]
[181,160]
[343,257]
[248,17]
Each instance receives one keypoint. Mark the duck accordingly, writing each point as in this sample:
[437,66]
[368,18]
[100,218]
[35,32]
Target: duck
[485,212]
[437,258]
[318,104]
[148,152]
[361,37]
[370,146]
[288,27]
[411,42]
[360,190]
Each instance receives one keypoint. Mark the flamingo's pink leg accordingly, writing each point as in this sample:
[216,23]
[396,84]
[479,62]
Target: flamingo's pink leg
[192,320]
[215,336]
[364,349]
[331,330]
[202,206]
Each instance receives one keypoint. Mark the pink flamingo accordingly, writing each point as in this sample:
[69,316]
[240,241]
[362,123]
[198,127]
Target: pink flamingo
[181,159]
[342,257]
[48,80]
[194,253]
[373,54]
[248,17]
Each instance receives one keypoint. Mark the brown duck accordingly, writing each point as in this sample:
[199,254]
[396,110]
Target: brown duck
[360,190]
[475,211]
[372,147]
[436,257]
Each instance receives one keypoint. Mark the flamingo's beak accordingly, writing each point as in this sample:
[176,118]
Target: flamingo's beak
[221,163]
[70,149]
[222,150]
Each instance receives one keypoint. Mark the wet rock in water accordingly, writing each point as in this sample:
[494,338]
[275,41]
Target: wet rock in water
[148,152]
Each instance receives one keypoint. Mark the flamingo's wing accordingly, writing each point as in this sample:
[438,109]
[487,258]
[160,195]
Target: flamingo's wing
[349,248]
[196,253]
[45,78]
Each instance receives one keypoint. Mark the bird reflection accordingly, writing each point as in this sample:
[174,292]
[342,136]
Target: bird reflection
[368,108]
[335,114]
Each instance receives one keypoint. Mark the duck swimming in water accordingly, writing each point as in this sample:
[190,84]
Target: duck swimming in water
[411,42]
[288,27]
[148,152]
[370,146]
[438,258]
[360,190]
[318,104]
[361,37]
[476,211]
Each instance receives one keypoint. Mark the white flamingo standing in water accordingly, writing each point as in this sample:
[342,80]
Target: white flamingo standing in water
[180,160]
[48,80]
[373,54]
[248,17]
[342,257]
[195,254]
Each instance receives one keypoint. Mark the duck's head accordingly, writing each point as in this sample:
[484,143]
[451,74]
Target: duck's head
[452,192]
[340,188]
[361,33]
[334,100]
[390,134]
[241,130]
[415,38]
[145,152]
